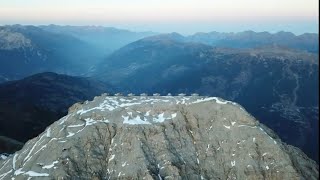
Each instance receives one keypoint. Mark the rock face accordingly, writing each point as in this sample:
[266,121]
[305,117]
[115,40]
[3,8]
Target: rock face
[157,138]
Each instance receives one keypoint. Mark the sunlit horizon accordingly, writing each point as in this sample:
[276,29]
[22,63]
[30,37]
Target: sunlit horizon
[185,17]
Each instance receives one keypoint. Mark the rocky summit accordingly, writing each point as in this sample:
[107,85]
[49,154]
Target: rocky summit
[157,137]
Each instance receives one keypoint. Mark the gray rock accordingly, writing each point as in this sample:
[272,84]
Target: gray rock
[157,138]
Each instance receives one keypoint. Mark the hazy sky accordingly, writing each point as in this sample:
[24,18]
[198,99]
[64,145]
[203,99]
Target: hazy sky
[184,16]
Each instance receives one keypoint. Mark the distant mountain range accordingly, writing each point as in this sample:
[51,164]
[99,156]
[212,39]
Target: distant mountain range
[249,39]
[279,86]
[74,50]
[105,39]
[29,105]
[26,50]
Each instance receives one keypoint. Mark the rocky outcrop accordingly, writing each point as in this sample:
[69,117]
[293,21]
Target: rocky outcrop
[157,138]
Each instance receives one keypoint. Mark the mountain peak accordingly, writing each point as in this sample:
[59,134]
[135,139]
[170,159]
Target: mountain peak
[10,40]
[159,137]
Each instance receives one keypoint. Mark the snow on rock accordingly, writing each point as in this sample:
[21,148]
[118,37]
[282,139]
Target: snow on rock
[77,125]
[173,115]
[134,121]
[90,122]
[149,131]
[30,173]
[112,157]
[14,161]
[242,125]
[70,134]
[160,118]
[50,165]
[233,163]
[48,132]
[3,157]
[36,174]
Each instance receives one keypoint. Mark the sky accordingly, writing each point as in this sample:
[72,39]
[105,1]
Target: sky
[183,16]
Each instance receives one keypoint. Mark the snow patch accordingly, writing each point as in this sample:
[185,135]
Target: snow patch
[14,161]
[160,118]
[112,157]
[207,148]
[70,134]
[50,165]
[30,173]
[233,163]
[36,174]
[135,121]
[48,132]
[247,126]
[3,157]
[77,125]
[90,121]
[173,115]
[209,99]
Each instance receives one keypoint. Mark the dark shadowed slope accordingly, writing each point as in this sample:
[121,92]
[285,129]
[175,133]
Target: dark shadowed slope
[29,105]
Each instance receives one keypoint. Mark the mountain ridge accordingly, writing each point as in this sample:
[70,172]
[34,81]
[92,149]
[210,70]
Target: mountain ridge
[250,39]
[159,137]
